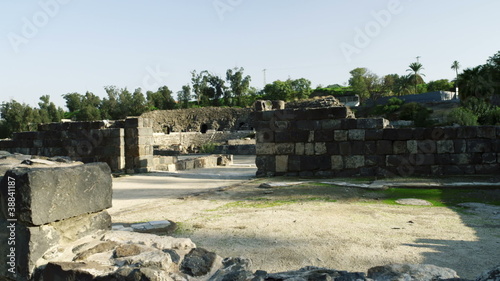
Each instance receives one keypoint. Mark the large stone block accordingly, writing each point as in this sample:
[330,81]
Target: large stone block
[32,242]
[285,148]
[356,134]
[281,163]
[372,123]
[45,195]
[445,146]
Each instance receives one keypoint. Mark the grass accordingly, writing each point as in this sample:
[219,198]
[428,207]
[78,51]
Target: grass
[442,197]
[261,202]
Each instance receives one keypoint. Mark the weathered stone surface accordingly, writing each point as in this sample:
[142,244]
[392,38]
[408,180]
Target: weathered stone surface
[76,271]
[408,272]
[234,269]
[316,273]
[154,259]
[45,195]
[149,240]
[33,241]
[199,262]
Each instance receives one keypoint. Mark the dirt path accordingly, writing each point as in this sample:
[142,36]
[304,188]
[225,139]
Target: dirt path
[341,228]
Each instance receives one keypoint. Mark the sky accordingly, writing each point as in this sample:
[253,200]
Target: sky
[55,47]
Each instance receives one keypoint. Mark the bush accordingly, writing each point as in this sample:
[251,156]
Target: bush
[462,116]
[208,148]
[392,105]
[492,117]
[417,113]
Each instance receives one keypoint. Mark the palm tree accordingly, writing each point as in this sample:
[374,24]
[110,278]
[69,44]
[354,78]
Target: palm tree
[416,67]
[455,66]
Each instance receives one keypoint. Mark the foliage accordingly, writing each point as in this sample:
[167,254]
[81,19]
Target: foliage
[439,85]
[364,83]
[161,99]
[392,105]
[492,117]
[481,81]
[334,90]
[462,116]
[184,96]
[239,85]
[416,76]
[417,113]
[288,90]
[208,148]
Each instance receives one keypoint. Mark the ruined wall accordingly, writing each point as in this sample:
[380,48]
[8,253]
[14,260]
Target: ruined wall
[196,139]
[126,145]
[323,142]
[200,119]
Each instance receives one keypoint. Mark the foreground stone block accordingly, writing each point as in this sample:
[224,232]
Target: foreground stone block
[45,195]
[32,242]
[421,272]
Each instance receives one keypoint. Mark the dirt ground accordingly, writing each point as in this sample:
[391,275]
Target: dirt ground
[344,228]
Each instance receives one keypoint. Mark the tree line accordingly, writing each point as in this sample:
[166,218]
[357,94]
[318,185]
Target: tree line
[234,90]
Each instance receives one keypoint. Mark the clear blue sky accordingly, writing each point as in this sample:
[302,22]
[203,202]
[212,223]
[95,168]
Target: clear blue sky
[53,47]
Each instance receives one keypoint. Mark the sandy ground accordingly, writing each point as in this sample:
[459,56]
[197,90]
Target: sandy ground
[280,233]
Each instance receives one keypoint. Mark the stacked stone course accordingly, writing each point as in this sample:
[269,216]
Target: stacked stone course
[326,142]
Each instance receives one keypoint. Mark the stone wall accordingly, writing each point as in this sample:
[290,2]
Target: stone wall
[200,119]
[197,139]
[323,142]
[45,206]
[124,145]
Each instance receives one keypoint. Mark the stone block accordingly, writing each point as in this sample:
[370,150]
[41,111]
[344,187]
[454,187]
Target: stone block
[445,146]
[458,169]
[264,136]
[285,148]
[299,148]
[265,164]
[33,241]
[486,132]
[306,125]
[354,161]
[291,136]
[460,159]
[356,134]
[323,135]
[332,148]
[331,124]
[374,135]
[340,135]
[467,132]
[460,146]
[137,122]
[345,148]
[281,163]
[45,195]
[396,160]
[262,105]
[420,134]
[478,145]
[281,125]
[309,163]
[486,169]
[443,159]
[357,147]
[348,124]
[309,149]
[371,123]
[286,115]
[337,162]
[400,147]
[294,163]
[320,148]
[375,160]
[327,113]
[278,104]
[384,147]
[427,146]
[265,148]
[489,158]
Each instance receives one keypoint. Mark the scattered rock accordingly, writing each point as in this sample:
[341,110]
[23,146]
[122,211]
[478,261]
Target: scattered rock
[409,272]
[99,248]
[316,273]
[413,202]
[198,262]
[75,271]
[279,184]
[155,259]
[127,250]
[234,269]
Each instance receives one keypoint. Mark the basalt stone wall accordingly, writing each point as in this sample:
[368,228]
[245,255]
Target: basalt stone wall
[124,145]
[43,207]
[323,142]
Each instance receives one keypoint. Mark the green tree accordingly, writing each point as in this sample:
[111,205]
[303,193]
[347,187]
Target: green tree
[301,88]
[364,83]
[278,90]
[239,84]
[439,85]
[462,116]
[184,96]
[161,99]
[416,67]
[18,117]
[199,83]
[73,101]
[48,111]
[216,90]
[455,66]
[417,113]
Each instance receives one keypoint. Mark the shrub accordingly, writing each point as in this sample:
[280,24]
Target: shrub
[417,113]
[208,148]
[492,117]
[462,116]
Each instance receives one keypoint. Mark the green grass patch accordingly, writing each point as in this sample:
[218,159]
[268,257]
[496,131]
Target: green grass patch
[442,197]
[261,202]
